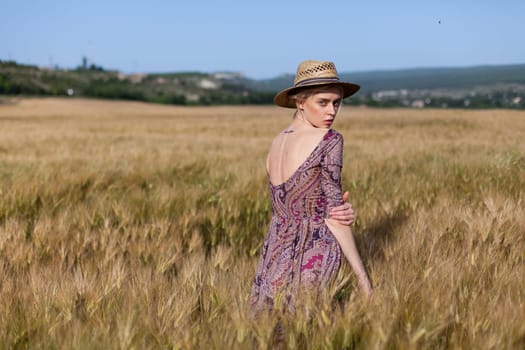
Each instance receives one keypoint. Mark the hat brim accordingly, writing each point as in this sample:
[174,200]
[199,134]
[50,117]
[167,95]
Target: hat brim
[282,98]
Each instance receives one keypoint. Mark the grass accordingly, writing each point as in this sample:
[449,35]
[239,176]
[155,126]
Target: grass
[128,225]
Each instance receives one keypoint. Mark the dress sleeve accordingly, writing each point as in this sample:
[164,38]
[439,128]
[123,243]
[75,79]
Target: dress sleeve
[331,164]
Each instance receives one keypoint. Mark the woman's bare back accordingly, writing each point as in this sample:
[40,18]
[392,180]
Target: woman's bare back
[289,149]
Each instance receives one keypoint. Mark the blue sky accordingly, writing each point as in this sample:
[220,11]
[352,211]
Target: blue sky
[262,39]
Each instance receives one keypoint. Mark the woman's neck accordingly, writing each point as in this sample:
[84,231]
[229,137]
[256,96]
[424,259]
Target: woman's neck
[299,123]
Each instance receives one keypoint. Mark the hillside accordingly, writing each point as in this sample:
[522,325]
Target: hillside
[418,78]
[469,87]
[478,86]
[434,78]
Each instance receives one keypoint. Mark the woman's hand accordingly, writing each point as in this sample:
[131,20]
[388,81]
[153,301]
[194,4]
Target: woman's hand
[366,287]
[344,214]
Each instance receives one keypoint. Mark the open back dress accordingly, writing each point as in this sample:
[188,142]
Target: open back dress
[299,253]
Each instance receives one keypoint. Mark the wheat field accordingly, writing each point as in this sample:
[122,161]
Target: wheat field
[126,225]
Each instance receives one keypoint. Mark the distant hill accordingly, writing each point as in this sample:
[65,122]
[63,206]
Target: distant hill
[499,86]
[434,78]
[416,78]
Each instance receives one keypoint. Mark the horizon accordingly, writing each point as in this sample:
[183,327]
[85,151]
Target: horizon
[343,72]
[58,67]
[261,41]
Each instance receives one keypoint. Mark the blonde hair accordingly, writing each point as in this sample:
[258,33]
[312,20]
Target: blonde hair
[303,94]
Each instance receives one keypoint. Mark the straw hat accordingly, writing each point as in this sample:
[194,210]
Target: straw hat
[309,74]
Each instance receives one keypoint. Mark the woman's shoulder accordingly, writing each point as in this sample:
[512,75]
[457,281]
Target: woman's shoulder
[278,138]
[323,134]
[333,136]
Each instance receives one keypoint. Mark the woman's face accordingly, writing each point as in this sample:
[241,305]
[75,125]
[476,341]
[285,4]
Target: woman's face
[320,109]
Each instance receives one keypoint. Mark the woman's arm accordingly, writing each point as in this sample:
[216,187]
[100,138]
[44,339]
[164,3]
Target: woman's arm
[331,184]
[343,235]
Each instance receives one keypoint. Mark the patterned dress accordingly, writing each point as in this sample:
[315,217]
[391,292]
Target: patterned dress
[299,252]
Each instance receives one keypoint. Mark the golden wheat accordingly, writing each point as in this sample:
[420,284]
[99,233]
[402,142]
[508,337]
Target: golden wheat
[128,225]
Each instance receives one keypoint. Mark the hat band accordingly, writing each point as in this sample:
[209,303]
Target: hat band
[317,80]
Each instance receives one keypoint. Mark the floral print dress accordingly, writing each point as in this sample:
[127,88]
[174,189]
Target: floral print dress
[299,252]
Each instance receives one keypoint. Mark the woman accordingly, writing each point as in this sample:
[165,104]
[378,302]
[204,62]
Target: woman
[302,249]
